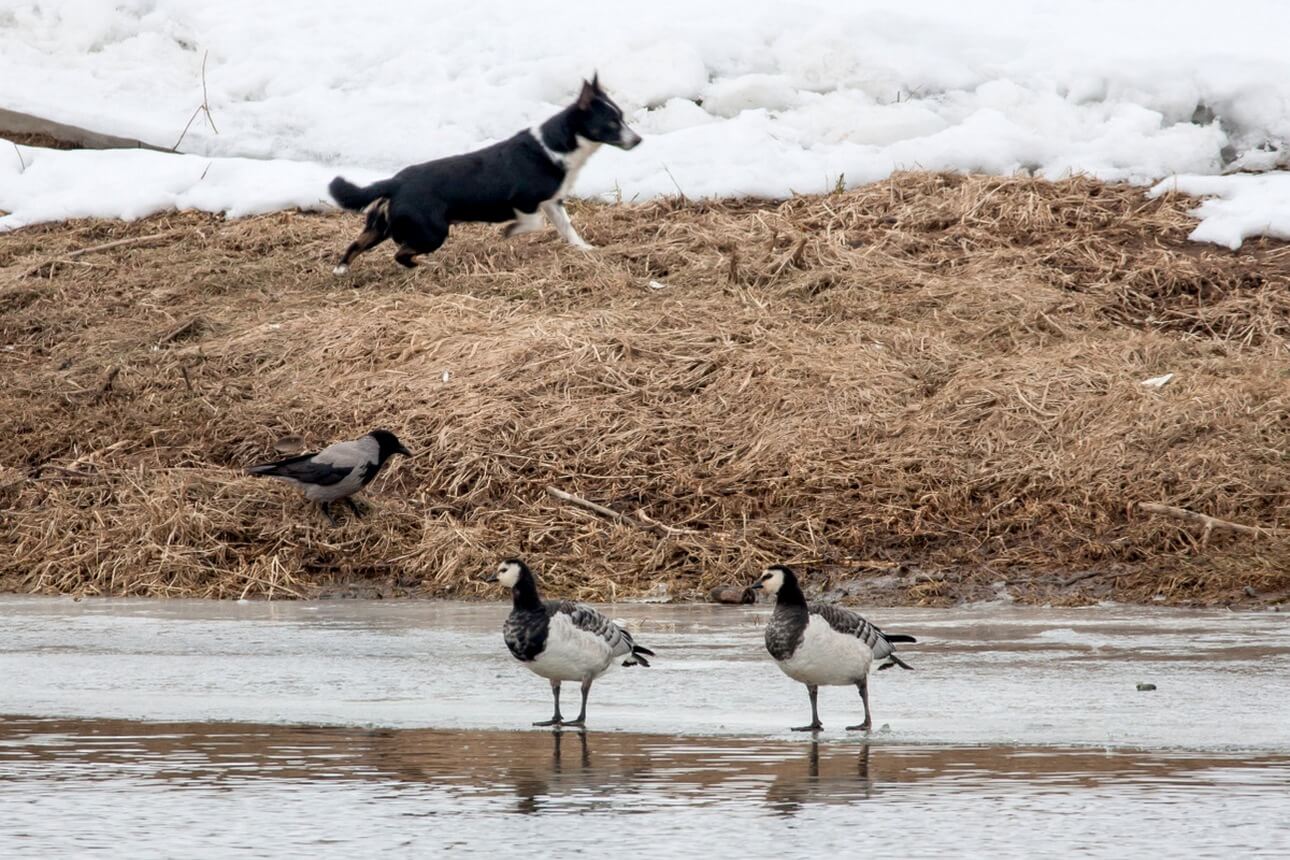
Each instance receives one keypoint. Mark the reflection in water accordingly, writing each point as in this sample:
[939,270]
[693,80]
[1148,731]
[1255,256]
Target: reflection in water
[845,780]
[534,785]
[363,788]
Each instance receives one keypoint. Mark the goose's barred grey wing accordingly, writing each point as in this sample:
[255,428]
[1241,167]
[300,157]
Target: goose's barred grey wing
[306,470]
[852,623]
[585,618]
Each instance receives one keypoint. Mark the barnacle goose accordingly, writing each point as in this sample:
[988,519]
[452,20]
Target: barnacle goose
[561,640]
[818,644]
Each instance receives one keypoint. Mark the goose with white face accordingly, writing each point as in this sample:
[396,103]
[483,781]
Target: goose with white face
[822,644]
[561,640]
[508,574]
[772,580]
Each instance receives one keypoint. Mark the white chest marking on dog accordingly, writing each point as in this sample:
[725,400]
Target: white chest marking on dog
[572,162]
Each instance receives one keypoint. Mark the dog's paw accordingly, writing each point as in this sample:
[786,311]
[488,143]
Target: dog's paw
[342,269]
[583,246]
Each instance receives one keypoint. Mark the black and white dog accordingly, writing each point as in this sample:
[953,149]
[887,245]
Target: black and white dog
[509,181]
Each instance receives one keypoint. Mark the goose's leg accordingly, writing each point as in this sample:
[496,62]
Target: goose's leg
[582,714]
[556,719]
[863,684]
[815,725]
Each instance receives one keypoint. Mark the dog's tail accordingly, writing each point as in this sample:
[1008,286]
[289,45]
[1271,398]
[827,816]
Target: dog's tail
[352,197]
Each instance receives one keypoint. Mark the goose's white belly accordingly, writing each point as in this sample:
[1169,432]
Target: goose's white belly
[571,654]
[826,657]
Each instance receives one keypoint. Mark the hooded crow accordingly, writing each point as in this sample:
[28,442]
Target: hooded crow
[337,471]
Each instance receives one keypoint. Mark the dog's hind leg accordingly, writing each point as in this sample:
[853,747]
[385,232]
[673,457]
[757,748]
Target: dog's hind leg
[366,240]
[374,233]
[416,236]
[559,218]
[525,222]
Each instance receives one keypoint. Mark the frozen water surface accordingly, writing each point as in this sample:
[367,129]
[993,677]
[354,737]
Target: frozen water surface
[142,729]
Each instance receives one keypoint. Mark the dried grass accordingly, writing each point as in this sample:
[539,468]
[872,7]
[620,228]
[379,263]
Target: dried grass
[939,371]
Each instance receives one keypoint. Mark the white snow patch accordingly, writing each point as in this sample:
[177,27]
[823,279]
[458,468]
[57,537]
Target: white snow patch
[1241,206]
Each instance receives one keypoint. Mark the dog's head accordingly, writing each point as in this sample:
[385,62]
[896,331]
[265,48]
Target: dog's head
[597,118]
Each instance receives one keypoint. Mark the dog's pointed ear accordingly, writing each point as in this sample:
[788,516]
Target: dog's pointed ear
[588,93]
[595,81]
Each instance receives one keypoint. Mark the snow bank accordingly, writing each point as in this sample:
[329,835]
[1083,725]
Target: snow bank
[130,184]
[734,98]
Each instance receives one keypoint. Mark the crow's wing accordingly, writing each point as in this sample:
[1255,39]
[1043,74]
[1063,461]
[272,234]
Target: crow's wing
[305,470]
[329,466]
[347,455]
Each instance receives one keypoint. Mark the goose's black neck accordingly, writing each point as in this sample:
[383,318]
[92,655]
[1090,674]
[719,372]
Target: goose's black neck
[524,596]
[790,593]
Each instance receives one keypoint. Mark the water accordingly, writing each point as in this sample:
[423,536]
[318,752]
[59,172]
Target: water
[151,729]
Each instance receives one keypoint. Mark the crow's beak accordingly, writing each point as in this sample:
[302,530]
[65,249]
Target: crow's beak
[404,451]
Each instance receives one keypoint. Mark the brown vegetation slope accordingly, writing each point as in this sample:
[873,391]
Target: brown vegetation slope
[921,387]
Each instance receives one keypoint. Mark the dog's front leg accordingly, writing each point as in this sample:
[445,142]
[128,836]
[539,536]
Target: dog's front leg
[559,218]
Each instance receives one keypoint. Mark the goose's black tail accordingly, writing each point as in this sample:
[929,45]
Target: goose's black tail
[639,652]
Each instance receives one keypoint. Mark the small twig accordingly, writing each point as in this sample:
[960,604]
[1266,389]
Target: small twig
[204,107]
[645,523]
[22,163]
[106,385]
[206,102]
[69,473]
[106,246]
[592,506]
[175,148]
[666,529]
[1207,522]
[732,273]
[183,370]
[684,199]
[1080,577]
[187,328]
